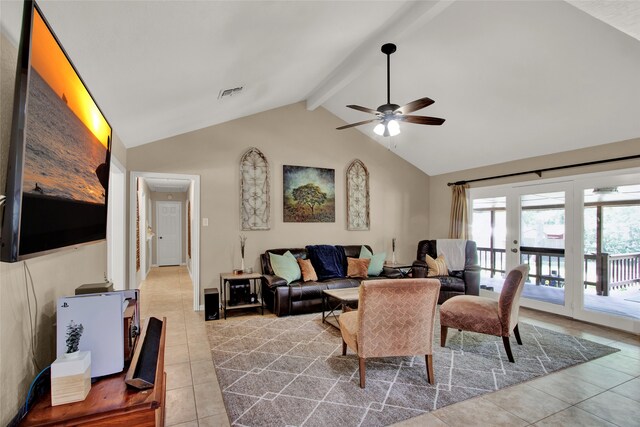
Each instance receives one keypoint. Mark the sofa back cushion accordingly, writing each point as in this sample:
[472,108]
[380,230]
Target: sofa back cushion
[328,261]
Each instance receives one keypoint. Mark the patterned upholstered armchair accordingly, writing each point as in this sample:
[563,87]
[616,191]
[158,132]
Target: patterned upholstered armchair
[394,318]
[485,315]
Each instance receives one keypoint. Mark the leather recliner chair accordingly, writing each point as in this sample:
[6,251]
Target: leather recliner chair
[460,282]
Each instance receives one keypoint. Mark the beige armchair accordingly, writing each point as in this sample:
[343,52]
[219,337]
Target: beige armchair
[395,317]
[485,315]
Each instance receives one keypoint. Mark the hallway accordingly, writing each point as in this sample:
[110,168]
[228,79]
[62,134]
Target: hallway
[193,394]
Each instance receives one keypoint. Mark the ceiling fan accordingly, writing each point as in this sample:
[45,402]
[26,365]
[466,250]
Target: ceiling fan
[390,114]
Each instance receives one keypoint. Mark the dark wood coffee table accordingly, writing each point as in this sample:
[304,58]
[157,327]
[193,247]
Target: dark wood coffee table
[342,298]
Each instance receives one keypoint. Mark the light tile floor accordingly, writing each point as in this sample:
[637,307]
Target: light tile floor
[603,392]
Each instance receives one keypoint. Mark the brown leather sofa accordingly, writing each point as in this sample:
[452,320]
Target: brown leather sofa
[306,297]
[463,282]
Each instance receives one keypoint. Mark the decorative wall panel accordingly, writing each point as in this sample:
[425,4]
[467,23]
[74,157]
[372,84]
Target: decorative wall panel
[357,196]
[255,195]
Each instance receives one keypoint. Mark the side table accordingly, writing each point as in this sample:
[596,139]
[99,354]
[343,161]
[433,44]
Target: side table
[255,282]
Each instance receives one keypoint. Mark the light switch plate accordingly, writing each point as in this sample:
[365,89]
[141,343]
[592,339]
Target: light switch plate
[205,222]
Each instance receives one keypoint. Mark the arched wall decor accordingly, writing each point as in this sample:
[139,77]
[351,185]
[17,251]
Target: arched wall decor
[255,194]
[357,196]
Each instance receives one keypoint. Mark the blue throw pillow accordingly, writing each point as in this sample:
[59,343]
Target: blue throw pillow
[377,261]
[285,266]
[328,261]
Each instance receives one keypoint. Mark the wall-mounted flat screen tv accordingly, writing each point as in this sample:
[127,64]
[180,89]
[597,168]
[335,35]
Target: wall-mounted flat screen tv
[58,171]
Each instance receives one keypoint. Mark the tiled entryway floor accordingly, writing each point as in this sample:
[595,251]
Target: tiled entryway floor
[604,392]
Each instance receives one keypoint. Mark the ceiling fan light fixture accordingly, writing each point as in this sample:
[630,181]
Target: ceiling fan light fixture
[394,127]
[379,129]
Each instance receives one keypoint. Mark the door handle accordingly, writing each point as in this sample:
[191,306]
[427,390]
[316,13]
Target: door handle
[160,237]
[514,250]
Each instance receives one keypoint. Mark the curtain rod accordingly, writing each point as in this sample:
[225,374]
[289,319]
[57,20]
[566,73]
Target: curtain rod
[539,171]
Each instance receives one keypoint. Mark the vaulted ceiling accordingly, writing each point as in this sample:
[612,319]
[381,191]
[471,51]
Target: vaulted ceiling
[513,79]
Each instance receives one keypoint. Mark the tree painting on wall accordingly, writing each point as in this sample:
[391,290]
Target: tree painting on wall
[309,194]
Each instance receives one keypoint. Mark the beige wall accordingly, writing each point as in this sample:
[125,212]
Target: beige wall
[53,275]
[289,135]
[162,197]
[440,193]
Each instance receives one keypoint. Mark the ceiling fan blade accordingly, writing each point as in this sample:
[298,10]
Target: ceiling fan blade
[357,124]
[423,120]
[364,109]
[414,106]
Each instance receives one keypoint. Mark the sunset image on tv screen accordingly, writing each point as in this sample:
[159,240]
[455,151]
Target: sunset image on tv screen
[66,134]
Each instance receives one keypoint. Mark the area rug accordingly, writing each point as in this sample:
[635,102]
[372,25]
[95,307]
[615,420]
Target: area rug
[290,371]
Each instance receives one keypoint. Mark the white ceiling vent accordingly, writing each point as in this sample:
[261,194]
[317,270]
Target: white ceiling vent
[224,93]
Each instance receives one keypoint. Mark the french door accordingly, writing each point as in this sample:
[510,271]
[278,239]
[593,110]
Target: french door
[580,239]
[525,225]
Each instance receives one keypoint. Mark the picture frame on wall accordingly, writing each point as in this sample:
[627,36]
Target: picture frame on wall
[308,194]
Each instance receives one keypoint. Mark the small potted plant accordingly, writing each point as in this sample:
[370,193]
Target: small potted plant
[74,333]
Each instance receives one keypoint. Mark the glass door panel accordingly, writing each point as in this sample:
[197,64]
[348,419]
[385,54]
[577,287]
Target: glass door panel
[542,245]
[611,272]
[489,230]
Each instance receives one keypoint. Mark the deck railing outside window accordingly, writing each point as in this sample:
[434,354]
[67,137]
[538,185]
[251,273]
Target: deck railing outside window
[547,267]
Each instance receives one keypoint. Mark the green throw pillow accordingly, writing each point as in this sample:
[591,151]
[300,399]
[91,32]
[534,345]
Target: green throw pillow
[377,261]
[285,266]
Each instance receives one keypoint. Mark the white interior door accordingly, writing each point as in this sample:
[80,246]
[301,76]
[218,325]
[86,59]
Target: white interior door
[169,234]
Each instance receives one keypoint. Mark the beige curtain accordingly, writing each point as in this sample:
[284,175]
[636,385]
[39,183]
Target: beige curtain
[459,219]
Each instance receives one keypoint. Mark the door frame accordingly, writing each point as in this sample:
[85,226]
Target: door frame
[116,226]
[574,223]
[195,230]
[160,203]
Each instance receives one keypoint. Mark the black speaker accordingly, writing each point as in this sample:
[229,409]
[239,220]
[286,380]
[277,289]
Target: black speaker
[211,304]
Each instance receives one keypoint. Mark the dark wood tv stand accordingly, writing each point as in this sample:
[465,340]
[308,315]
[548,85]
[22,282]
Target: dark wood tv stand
[109,403]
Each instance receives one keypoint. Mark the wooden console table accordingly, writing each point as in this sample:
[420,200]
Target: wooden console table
[109,403]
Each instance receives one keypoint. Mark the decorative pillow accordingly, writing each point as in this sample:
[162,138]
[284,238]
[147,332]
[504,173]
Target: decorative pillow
[308,273]
[377,261]
[358,267]
[437,267]
[327,260]
[285,266]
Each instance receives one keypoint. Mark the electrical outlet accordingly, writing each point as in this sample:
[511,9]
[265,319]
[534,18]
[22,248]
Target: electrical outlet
[205,222]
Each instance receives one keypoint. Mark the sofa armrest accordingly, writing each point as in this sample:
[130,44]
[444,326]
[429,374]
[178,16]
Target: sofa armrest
[273,281]
[472,280]
[391,273]
[419,269]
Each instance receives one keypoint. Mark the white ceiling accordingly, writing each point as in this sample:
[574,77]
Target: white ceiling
[513,79]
